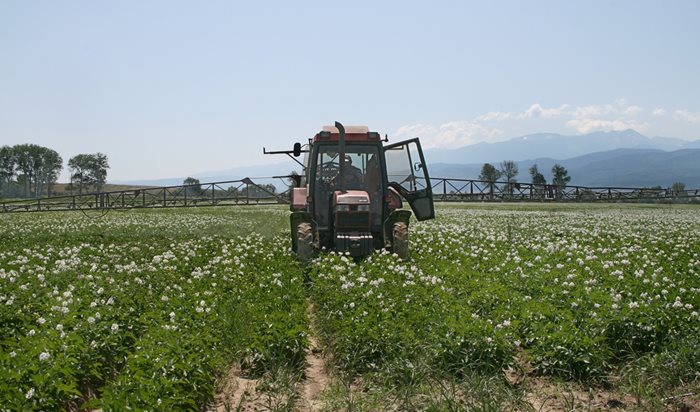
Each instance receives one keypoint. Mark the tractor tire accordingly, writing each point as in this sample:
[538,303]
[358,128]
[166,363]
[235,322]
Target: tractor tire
[399,244]
[305,242]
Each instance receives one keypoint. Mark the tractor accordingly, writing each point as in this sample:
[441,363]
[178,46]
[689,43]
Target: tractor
[349,196]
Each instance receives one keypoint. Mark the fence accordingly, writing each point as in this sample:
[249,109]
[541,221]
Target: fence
[226,193]
[464,190]
[247,192]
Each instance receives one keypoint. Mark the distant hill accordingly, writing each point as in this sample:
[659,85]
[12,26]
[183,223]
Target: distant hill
[554,146]
[619,167]
[620,158]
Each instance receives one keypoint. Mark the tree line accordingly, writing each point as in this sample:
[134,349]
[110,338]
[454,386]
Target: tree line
[509,170]
[29,170]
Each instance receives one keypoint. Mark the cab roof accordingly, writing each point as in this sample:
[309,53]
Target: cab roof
[352,133]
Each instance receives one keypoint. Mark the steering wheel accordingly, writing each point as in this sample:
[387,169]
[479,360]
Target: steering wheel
[329,171]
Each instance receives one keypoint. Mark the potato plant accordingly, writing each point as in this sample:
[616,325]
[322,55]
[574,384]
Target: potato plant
[149,309]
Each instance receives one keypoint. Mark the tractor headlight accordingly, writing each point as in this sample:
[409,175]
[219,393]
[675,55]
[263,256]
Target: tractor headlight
[363,208]
[342,208]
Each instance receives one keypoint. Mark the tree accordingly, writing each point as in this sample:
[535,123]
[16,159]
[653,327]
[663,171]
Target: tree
[24,158]
[194,187]
[538,180]
[88,169]
[35,167]
[560,178]
[7,169]
[678,189]
[490,175]
[79,166]
[48,167]
[100,164]
[509,170]
[537,177]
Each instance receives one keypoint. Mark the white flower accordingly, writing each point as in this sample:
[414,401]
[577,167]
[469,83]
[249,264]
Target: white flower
[32,332]
[13,354]
[41,321]
[29,394]
[91,320]
[59,327]
[115,328]
[44,356]
[633,305]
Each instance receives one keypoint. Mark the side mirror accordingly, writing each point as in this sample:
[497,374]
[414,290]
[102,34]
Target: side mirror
[297,149]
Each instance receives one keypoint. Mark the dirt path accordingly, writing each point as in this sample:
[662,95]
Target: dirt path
[239,393]
[316,378]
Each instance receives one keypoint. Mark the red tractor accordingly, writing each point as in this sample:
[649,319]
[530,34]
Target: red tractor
[349,198]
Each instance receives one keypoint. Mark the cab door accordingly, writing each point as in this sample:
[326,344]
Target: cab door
[407,172]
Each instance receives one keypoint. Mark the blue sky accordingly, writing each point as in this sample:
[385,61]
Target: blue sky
[169,88]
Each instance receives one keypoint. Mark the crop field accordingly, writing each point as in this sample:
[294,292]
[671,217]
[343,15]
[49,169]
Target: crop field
[500,307]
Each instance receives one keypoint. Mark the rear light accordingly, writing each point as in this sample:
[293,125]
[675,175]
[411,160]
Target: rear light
[363,208]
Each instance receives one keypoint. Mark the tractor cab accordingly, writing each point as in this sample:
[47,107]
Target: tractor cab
[350,196]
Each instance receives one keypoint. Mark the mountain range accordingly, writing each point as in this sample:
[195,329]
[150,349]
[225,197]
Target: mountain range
[620,158]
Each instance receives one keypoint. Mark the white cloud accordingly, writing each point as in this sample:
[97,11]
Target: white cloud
[414,130]
[686,116]
[491,116]
[461,133]
[633,110]
[608,117]
[536,110]
[448,135]
[497,125]
[589,125]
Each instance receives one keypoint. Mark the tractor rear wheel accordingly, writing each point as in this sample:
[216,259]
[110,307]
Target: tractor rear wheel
[305,242]
[399,244]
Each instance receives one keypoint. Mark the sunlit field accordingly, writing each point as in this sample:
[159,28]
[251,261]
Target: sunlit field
[500,307]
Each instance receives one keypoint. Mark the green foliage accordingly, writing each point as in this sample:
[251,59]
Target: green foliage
[87,170]
[146,309]
[36,169]
[141,322]
[560,176]
[537,178]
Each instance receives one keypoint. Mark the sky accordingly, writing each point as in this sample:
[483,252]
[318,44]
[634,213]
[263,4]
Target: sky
[174,88]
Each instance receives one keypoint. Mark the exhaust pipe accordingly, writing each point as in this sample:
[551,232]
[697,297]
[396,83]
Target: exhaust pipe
[341,153]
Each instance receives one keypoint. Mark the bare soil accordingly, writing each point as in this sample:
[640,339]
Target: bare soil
[238,393]
[316,378]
